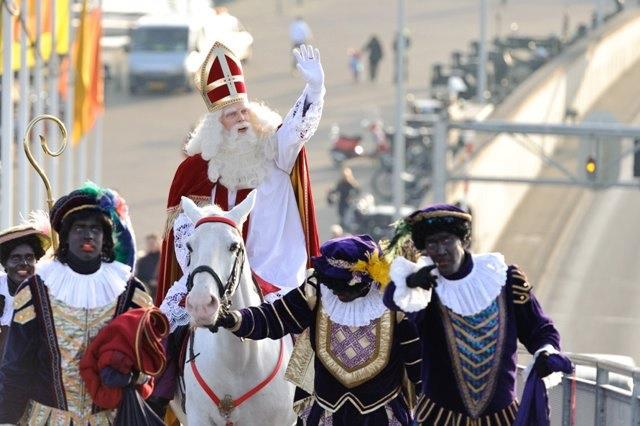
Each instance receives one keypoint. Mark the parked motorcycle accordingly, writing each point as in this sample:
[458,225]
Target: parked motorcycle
[345,147]
[365,216]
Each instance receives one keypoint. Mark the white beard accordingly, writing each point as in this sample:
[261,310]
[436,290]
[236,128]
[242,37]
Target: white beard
[241,160]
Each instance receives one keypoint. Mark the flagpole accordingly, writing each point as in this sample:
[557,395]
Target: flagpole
[97,151]
[53,94]
[68,164]
[23,193]
[38,88]
[6,152]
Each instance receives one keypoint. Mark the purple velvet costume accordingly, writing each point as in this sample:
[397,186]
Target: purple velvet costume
[449,396]
[375,399]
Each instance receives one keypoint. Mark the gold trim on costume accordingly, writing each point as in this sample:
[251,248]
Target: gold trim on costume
[439,213]
[22,298]
[352,377]
[300,370]
[174,211]
[84,207]
[41,414]
[429,412]
[362,408]
[141,299]
[24,316]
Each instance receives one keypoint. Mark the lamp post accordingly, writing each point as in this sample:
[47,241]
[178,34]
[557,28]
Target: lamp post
[399,142]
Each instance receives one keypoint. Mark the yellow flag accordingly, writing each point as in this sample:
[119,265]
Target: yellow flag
[89,85]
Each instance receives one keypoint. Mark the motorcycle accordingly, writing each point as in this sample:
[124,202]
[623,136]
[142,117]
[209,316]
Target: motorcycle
[365,216]
[345,147]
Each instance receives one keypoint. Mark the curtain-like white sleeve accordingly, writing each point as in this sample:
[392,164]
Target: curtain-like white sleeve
[297,128]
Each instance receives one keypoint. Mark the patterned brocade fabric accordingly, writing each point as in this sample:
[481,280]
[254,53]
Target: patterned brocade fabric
[476,343]
[43,415]
[476,338]
[75,328]
[353,346]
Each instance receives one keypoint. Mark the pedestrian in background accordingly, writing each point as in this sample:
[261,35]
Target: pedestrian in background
[343,193]
[355,64]
[374,49]
[405,56]
[147,265]
[299,34]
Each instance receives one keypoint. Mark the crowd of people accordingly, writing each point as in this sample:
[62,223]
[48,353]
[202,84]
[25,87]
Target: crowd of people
[416,329]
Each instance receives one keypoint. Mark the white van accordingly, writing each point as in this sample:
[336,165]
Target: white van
[165,53]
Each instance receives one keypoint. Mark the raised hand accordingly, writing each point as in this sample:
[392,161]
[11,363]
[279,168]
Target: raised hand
[309,66]
[422,278]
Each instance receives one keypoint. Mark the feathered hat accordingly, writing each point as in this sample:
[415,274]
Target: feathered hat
[220,79]
[429,221]
[350,262]
[36,224]
[107,201]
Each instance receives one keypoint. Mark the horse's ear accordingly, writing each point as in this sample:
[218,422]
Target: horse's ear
[190,209]
[240,212]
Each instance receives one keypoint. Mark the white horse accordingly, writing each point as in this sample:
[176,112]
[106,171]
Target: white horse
[226,367]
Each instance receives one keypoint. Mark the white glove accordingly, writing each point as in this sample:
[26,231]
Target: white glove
[310,67]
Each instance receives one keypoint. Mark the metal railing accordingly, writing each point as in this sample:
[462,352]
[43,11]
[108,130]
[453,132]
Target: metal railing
[600,392]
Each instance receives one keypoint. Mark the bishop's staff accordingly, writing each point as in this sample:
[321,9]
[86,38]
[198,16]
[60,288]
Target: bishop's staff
[45,148]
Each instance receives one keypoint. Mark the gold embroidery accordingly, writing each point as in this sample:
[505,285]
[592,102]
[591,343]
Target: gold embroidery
[362,409]
[25,315]
[40,414]
[300,370]
[75,328]
[22,298]
[284,303]
[142,299]
[174,212]
[352,377]
[410,341]
[474,338]
[428,412]
[310,295]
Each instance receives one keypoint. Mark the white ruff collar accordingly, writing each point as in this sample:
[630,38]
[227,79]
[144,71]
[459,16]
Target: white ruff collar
[85,291]
[473,293]
[357,313]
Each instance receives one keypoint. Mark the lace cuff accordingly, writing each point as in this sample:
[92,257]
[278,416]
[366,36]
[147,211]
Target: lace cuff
[182,230]
[171,305]
[305,123]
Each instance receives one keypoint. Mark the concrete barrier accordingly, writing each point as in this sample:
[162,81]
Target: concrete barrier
[574,80]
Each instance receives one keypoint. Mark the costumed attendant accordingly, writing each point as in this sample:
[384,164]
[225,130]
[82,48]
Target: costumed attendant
[359,349]
[62,308]
[470,311]
[20,248]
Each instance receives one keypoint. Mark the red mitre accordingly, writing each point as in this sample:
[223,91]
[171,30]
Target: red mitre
[220,78]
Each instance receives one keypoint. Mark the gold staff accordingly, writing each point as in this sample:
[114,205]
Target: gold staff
[45,148]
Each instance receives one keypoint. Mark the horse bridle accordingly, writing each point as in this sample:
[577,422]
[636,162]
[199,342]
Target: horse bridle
[226,290]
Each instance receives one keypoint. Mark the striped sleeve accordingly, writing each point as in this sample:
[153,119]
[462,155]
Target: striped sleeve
[290,314]
[410,350]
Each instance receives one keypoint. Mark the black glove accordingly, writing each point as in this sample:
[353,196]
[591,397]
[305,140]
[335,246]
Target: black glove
[422,278]
[226,319]
[115,379]
[542,364]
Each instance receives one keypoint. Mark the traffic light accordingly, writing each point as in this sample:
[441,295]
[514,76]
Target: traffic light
[591,168]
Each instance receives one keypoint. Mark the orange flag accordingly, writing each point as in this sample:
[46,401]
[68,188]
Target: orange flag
[89,84]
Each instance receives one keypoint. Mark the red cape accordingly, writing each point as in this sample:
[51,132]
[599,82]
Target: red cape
[191,180]
[131,341]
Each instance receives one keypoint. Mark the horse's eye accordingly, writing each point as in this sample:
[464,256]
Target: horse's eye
[233,247]
[189,247]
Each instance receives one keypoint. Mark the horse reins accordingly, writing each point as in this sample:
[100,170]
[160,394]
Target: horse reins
[227,404]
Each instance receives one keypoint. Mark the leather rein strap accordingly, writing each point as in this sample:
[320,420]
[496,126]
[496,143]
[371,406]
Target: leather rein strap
[228,404]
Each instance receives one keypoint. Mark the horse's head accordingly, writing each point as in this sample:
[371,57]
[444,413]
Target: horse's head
[216,257]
